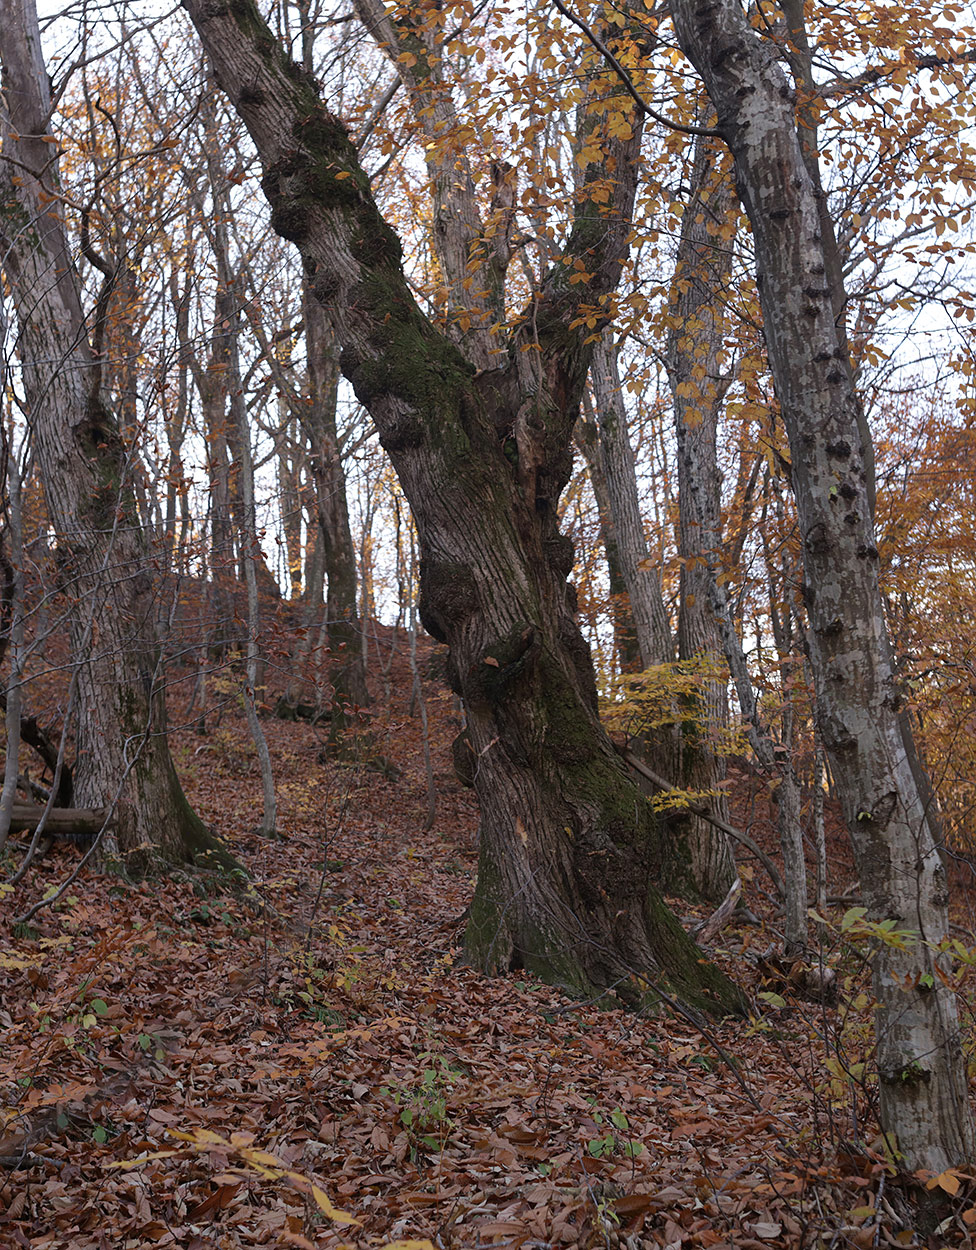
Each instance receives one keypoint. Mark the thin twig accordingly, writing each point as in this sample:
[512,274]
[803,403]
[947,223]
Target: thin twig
[640,767]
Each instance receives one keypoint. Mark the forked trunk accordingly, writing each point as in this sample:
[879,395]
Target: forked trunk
[568,846]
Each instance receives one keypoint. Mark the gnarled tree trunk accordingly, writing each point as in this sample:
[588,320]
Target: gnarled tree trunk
[569,847]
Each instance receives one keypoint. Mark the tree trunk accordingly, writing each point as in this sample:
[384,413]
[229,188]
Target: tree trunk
[14,631]
[692,354]
[697,385]
[568,847]
[924,1095]
[641,575]
[624,634]
[781,583]
[250,550]
[211,381]
[347,671]
[103,563]
[695,850]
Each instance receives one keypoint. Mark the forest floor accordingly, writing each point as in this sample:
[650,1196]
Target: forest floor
[184,1068]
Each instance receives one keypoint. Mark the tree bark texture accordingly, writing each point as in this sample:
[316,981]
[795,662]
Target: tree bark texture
[924,1096]
[346,669]
[568,844]
[698,861]
[211,381]
[782,583]
[250,549]
[641,575]
[696,376]
[102,554]
[624,634]
[472,250]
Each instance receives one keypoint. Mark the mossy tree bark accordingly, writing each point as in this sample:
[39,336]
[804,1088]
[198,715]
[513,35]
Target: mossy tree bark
[569,847]
[123,757]
[884,795]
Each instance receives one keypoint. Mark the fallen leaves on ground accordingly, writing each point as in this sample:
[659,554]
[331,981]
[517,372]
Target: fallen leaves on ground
[192,1069]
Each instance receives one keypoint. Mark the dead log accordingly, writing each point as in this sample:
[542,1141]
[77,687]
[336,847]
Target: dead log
[42,742]
[71,822]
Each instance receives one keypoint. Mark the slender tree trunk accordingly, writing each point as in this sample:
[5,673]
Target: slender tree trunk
[782,582]
[924,1094]
[641,575]
[694,344]
[569,848]
[693,355]
[624,634]
[698,860]
[819,827]
[250,552]
[16,637]
[123,756]
[417,698]
[175,422]
[211,381]
[347,672]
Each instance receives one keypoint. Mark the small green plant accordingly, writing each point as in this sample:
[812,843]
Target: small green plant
[612,1143]
[423,1107]
[149,1041]
[308,985]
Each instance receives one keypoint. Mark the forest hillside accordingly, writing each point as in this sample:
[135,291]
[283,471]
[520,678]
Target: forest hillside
[487,574]
[307,1061]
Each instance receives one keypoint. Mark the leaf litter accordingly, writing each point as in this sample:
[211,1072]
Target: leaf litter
[186,1068]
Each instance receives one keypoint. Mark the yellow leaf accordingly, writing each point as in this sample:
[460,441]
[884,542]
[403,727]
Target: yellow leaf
[947,1181]
[325,1206]
[141,1159]
[260,1156]
[200,1137]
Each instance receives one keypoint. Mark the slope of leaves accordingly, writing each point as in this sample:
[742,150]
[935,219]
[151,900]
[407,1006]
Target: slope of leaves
[310,1065]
